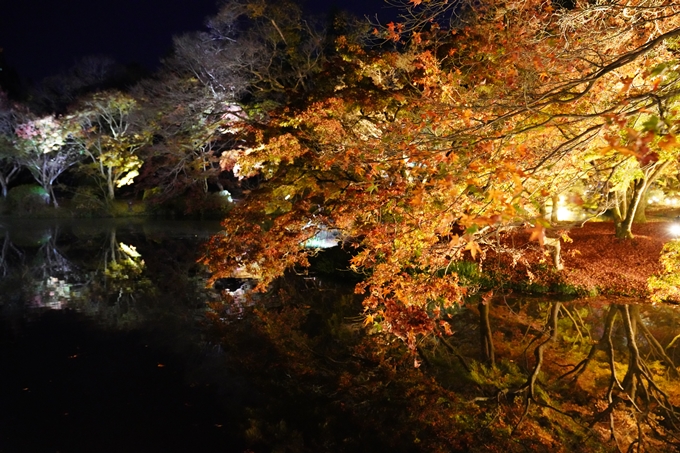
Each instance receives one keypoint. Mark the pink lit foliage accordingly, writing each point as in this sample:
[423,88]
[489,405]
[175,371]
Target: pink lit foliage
[48,147]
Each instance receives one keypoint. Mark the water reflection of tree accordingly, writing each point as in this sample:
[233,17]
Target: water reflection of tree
[42,275]
[623,379]
[640,391]
[118,287]
[52,262]
[139,277]
[8,253]
[122,276]
[40,271]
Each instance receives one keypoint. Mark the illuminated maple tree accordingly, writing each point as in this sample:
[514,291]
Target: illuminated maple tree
[113,139]
[420,155]
[47,147]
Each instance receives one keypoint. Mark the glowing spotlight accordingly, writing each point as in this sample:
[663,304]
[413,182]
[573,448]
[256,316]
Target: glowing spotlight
[563,213]
[674,229]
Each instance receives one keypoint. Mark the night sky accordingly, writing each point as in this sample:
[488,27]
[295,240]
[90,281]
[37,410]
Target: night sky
[42,37]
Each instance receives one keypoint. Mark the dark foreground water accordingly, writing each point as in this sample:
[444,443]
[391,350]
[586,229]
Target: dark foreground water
[105,346]
[101,348]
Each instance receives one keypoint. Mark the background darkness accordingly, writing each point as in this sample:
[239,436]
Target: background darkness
[42,37]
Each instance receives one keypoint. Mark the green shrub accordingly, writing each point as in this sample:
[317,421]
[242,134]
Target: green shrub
[87,201]
[27,198]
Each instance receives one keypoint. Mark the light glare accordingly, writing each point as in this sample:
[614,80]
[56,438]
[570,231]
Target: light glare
[674,229]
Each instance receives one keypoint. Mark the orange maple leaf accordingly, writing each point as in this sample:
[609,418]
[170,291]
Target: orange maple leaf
[667,142]
[416,2]
[537,234]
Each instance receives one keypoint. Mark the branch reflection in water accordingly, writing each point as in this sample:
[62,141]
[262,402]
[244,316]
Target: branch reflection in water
[123,273]
[598,369]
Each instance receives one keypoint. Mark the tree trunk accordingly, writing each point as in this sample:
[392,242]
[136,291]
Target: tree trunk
[110,184]
[486,334]
[555,251]
[553,212]
[641,211]
[5,179]
[626,212]
[53,197]
[624,228]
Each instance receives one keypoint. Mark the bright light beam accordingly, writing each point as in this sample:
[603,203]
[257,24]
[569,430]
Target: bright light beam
[674,229]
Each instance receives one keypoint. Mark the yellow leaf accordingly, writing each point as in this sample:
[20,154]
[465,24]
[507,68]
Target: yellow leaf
[474,248]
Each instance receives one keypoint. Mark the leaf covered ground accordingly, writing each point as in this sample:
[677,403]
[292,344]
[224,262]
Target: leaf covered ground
[596,261]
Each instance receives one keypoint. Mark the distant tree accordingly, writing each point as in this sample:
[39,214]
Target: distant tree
[188,126]
[252,55]
[9,163]
[113,136]
[262,47]
[47,147]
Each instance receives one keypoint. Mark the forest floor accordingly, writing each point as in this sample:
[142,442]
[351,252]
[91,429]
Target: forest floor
[596,261]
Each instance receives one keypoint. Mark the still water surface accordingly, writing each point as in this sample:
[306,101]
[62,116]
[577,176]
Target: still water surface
[103,348]
[101,345]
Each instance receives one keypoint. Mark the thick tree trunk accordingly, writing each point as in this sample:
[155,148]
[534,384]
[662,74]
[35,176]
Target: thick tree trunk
[627,212]
[641,211]
[624,228]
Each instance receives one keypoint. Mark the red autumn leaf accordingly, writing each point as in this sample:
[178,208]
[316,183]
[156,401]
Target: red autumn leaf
[648,159]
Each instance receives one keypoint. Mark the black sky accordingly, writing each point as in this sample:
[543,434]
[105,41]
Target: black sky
[42,37]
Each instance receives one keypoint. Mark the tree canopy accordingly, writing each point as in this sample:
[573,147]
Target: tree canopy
[416,144]
[421,150]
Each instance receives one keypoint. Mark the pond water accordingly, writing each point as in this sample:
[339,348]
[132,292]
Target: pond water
[101,346]
[105,346]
